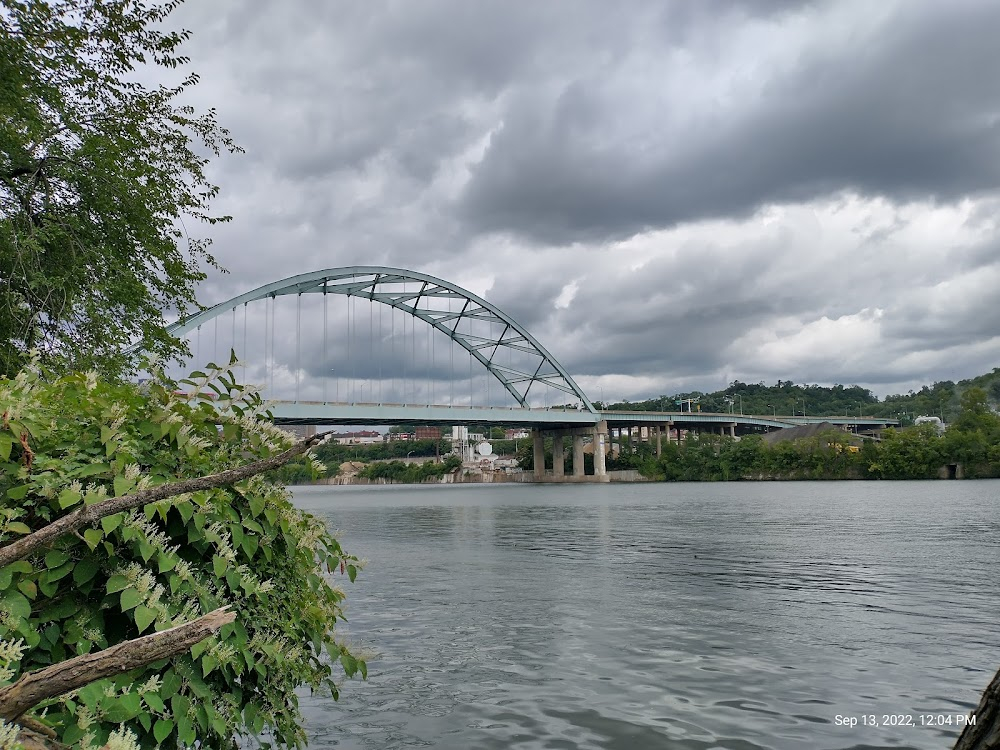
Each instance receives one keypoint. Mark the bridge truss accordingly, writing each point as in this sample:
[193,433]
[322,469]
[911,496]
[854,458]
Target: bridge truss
[508,352]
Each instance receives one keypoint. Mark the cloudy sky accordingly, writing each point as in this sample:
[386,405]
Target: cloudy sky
[669,195]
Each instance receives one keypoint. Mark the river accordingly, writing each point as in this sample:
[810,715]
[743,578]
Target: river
[684,616]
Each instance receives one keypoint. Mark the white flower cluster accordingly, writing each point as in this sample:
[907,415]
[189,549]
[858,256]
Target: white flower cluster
[10,652]
[8,735]
[122,739]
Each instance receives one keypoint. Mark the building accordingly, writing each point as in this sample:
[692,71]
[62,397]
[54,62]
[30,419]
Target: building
[399,437]
[518,433]
[363,437]
[301,430]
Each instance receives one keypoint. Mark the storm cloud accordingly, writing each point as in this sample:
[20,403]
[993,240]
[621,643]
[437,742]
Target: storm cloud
[668,195]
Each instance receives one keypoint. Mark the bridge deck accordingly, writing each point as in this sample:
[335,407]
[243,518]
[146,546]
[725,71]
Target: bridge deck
[332,413]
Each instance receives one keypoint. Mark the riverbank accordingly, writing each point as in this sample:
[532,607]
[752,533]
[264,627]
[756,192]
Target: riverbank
[468,477]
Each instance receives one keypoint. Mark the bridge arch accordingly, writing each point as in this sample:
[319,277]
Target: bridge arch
[388,286]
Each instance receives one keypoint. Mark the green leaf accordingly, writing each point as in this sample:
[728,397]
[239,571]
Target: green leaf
[55,558]
[119,709]
[28,588]
[256,505]
[6,443]
[85,570]
[144,617]
[130,598]
[110,523]
[16,527]
[249,545]
[16,604]
[93,537]
[18,493]
[185,730]
[116,583]
[208,664]
[162,729]
[166,562]
[91,695]
[171,683]
[154,702]
[69,497]
[122,485]
[91,469]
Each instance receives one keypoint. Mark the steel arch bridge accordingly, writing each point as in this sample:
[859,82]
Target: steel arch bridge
[431,300]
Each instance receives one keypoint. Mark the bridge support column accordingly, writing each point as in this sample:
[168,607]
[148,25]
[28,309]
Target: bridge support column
[558,457]
[600,442]
[539,445]
[659,445]
[578,465]
[732,429]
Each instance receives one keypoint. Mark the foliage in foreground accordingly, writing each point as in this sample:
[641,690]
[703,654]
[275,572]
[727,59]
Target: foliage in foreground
[76,440]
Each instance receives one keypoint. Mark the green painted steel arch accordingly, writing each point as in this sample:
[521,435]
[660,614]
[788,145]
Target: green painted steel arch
[376,283]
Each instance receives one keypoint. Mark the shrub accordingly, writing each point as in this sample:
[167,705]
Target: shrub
[75,441]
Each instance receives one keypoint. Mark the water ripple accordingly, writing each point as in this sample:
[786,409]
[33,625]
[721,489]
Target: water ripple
[743,616]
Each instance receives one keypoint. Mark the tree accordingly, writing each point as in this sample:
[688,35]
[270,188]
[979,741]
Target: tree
[98,174]
[135,523]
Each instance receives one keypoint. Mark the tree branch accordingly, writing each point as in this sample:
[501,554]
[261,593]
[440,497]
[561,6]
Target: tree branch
[985,733]
[28,545]
[34,687]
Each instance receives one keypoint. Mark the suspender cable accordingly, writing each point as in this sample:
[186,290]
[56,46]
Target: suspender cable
[404,349]
[197,349]
[215,342]
[452,350]
[326,357]
[298,341]
[371,347]
[381,351]
[392,348]
[244,356]
[233,338]
[430,373]
[266,350]
[350,385]
[274,302]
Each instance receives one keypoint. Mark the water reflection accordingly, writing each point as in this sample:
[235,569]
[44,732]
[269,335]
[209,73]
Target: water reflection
[673,616]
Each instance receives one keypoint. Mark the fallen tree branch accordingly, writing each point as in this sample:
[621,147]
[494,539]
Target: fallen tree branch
[34,687]
[28,545]
[985,733]
[31,740]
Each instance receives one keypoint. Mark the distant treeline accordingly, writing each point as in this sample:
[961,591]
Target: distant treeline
[917,452]
[942,399]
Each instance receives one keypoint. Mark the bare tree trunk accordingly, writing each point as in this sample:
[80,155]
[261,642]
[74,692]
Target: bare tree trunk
[985,734]
[32,688]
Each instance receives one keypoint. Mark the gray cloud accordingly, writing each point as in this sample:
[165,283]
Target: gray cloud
[909,114]
[667,195]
